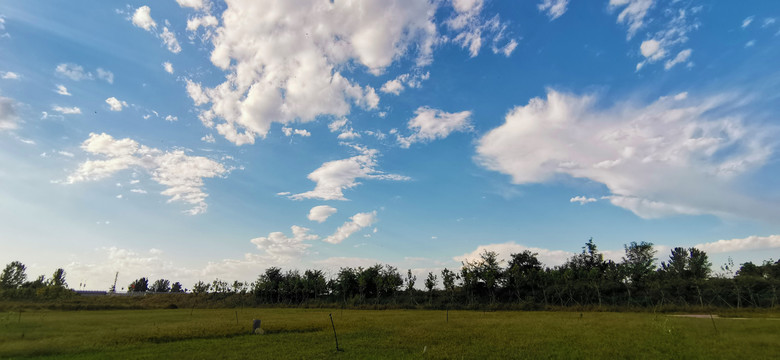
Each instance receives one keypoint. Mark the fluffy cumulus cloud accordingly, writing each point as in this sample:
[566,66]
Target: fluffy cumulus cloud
[431,124]
[321,213]
[8,118]
[553,8]
[505,250]
[355,223]
[142,18]
[208,21]
[280,247]
[677,155]
[748,243]
[286,65]
[181,175]
[115,104]
[333,177]
[168,67]
[472,27]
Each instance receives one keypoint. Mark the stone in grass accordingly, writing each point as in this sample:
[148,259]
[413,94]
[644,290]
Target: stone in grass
[256,327]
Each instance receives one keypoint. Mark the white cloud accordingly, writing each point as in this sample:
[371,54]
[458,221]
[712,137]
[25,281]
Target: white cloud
[288,131]
[748,20]
[671,34]
[321,213]
[142,18]
[633,13]
[768,22]
[554,8]
[337,125]
[9,75]
[652,50]
[397,85]
[668,157]
[205,21]
[209,139]
[67,110]
[171,118]
[105,75]
[138,191]
[333,177]
[750,43]
[182,175]
[168,67]
[286,65]
[472,28]
[431,124]
[8,118]
[392,87]
[65,153]
[169,39]
[281,248]
[73,71]
[355,223]
[348,134]
[681,57]
[195,4]
[505,250]
[115,104]
[748,243]
[582,200]
[62,90]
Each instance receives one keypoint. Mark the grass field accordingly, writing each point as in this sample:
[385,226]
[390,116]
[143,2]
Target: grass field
[307,334]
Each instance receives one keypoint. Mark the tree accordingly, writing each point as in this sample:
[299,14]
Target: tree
[140,285]
[448,281]
[430,284]
[58,279]
[13,276]
[176,287]
[161,286]
[522,272]
[410,280]
[489,271]
[200,287]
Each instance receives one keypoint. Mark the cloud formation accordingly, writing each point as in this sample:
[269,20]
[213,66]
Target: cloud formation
[355,223]
[282,248]
[733,245]
[554,8]
[333,177]
[296,73]
[431,124]
[8,118]
[676,155]
[115,104]
[321,213]
[66,110]
[181,174]
[472,27]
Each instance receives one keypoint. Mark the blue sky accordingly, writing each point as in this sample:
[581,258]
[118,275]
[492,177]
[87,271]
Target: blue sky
[197,139]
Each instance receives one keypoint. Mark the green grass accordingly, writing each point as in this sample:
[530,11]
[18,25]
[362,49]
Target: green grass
[392,334]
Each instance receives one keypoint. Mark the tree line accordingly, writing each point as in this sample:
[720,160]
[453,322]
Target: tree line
[585,279]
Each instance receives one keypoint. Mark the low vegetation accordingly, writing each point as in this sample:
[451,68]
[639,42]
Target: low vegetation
[363,334]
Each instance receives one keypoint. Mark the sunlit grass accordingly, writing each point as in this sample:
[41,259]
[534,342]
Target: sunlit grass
[306,333]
